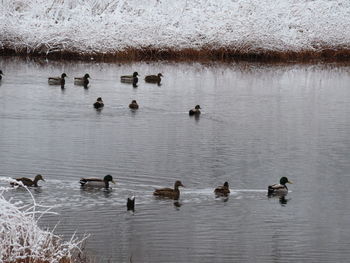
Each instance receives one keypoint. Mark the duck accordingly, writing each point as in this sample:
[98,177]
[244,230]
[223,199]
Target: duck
[1,74]
[84,81]
[222,190]
[130,203]
[169,192]
[133,105]
[154,78]
[280,188]
[195,111]
[58,80]
[99,103]
[130,78]
[96,182]
[29,182]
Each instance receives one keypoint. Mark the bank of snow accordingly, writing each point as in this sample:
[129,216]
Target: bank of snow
[21,239]
[144,26]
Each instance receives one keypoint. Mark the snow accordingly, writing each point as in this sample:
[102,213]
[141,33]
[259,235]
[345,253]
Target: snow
[21,237]
[108,26]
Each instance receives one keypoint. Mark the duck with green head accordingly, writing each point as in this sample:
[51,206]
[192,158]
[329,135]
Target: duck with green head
[280,188]
[169,192]
[222,190]
[132,79]
[83,81]
[58,80]
[29,182]
[96,182]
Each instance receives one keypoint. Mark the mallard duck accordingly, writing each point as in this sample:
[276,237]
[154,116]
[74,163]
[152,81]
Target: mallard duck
[222,190]
[195,111]
[95,182]
[168,192]
[130,204]
[133,105]
[1,74]
[280,188]
[58,80]
[29,182]
[130,78]
[154,78]
[84,81]
[99,103]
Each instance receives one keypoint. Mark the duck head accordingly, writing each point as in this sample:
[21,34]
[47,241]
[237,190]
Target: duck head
[99,99]
[134,102]
[284,180]
[1,73]
[160,75]
[177,184]
[86,76]
[63,75]
[39,177]
[108,178]
[197,107]
[226,184]
[135,74]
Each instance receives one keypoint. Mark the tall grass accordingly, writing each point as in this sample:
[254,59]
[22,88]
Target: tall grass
[22,240]
[140,29]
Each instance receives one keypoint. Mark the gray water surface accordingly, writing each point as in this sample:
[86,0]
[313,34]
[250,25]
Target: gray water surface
[259,122]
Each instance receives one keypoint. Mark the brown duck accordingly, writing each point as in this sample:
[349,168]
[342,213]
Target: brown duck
[133,105]
[222,190]
[29,182]
[168,192]
[154,78]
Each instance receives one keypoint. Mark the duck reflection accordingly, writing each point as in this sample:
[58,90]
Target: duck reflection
[281,198]
[177,205]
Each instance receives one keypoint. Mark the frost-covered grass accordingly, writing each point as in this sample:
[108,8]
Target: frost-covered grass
[21,239]
[136,28]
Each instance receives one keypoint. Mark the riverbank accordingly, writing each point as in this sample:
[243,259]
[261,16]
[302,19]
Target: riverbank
[150,30]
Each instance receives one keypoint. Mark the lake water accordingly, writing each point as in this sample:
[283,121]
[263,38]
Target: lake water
[259,122]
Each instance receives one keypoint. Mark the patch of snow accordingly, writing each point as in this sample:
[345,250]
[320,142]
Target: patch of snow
[108,26]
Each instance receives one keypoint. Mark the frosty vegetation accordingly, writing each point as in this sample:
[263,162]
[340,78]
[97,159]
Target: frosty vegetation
[21,239]
[117,26]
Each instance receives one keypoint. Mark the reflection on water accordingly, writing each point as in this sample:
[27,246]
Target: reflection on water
[258,123]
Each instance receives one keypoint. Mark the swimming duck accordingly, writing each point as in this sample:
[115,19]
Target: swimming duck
[130,78]
[99,103]
[168,192]
[58,80]
[154,78]
[222,190]
[29,182]
[130,204]
[133,105]
[84,81]
[1,74]
[280,188]
[95,182]
[195,111]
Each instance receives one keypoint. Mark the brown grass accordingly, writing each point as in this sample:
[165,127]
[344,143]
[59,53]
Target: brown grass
[188,54]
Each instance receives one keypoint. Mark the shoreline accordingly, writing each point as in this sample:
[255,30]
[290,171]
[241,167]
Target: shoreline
[327,55]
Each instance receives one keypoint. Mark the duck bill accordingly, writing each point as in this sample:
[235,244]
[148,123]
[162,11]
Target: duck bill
[290,182]
[113,181]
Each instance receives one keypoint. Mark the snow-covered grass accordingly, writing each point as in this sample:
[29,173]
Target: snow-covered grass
[136,28]
[21,239]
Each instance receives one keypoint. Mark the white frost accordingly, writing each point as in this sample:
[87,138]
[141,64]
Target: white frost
[107,26]
[21,237]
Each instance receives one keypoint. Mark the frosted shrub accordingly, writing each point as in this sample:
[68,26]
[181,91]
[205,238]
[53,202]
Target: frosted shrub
[110,26]
[21,239]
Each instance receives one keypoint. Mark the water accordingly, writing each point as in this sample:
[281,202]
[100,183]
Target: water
[259,122]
